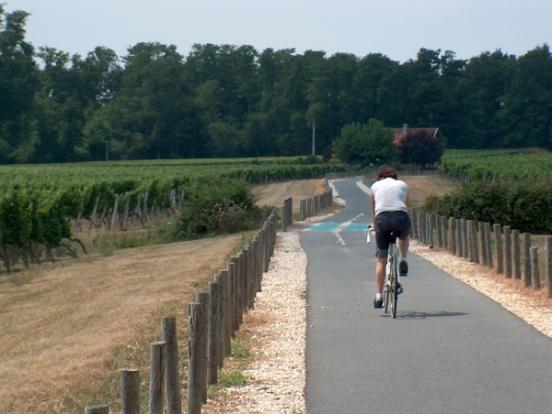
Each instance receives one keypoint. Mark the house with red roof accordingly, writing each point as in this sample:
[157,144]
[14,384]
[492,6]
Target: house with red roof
[400,133]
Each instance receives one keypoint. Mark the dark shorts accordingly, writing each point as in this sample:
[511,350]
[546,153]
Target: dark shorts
[386,222]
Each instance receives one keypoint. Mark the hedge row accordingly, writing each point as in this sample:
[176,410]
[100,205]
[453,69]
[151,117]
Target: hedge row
[525,205]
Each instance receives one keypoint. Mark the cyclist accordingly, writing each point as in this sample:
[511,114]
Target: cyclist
[389,213]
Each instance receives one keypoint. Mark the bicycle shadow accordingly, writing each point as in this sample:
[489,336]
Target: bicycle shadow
[425,315]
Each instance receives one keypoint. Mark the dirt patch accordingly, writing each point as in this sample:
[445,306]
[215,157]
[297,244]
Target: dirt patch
[61,324]
[422,186]
[274,194]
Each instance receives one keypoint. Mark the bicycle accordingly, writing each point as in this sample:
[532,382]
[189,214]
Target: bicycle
[392,287]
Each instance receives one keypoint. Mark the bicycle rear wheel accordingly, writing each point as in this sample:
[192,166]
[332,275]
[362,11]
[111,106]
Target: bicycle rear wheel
[387,298]
[394,294]
[395,297]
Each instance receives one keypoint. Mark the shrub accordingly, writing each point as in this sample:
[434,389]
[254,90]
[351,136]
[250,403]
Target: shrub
[522,205]
[222,206]
[420,148]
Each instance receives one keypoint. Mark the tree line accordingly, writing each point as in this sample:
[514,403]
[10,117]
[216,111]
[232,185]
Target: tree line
[225,101]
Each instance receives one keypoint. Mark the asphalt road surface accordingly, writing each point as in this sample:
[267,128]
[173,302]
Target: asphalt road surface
[450,350]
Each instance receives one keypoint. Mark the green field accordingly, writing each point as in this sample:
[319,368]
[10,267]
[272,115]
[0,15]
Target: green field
[472,165]
[509,187]
[37,201]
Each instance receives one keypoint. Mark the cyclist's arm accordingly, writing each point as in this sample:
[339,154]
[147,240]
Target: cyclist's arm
[373,210]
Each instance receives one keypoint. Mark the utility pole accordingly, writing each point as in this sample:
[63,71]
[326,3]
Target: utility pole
[313,137]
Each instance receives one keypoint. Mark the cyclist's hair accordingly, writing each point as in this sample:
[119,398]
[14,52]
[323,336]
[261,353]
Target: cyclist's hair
[387,172]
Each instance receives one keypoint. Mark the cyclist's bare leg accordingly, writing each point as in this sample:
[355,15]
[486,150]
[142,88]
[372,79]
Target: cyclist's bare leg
[380,273]
[403,246]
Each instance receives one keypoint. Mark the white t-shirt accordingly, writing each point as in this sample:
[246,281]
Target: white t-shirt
[390,195]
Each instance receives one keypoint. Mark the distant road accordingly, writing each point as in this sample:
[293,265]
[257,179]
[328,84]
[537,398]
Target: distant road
[450,350]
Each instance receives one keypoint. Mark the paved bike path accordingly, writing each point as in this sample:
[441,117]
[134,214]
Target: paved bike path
[450,350]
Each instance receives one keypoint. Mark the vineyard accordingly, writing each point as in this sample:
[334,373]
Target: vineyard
[470,165]
[38,202]
[501,186]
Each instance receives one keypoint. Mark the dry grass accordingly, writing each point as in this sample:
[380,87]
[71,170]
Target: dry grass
[274,194]
[67,327]
[62,328]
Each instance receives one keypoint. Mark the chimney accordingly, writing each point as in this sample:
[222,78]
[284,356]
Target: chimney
[405,129]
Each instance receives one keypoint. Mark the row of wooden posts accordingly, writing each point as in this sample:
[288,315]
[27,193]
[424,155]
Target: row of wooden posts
[307,208]
[502,248]
[312,206]
[214,319]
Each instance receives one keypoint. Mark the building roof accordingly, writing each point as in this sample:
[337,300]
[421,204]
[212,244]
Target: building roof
[399,133]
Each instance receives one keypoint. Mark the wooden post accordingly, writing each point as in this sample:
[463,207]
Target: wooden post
[172,374]
[474,242]
[465,239]
[431,229]
[194,358]
[508,251]
[243,286]
[115,213]
[213,333]
[249,276]
[157,366]
[290,211]
[260,265]
[444,228]
[471,240]
[548,265]
[233,297]
[526,238]
[227,312]
[97,409]
[458,237]
[484,261]
[203,343]
[124,221]
[489,244]
[452,235]
[220,322]
[498,242]
[535,274]
[237,311]
[423,227]
[461,237]
[516,260]
[439,231]
[130,391]
[414,217]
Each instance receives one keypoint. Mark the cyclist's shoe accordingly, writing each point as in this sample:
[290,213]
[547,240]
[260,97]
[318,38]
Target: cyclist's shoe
[399,289]
[378,303]
[403,268]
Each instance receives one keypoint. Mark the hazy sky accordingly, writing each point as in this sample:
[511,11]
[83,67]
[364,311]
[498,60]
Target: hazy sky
[396,28]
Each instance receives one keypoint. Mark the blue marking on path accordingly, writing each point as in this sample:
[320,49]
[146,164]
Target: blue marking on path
[357,227]
[329,227]
[323,227]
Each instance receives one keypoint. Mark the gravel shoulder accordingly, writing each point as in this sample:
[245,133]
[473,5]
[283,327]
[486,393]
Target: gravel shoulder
[275,375]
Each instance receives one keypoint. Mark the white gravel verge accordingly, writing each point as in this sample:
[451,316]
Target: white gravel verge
[276,373]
